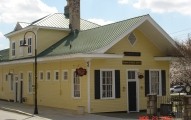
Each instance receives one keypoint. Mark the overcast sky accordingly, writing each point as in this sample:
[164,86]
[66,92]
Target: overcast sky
[173,16]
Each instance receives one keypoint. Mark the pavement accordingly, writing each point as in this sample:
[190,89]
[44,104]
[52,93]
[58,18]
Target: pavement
[50,113]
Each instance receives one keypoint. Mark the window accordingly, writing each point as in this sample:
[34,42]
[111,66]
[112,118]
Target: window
[76,85]
[48,75]
[41,75]
[11,82]
[21,76]
[30,82]
[29,45]
[13,48]
[155,82]
[107,84]
[65,74]
[21,48]
[56,75]
[131,75]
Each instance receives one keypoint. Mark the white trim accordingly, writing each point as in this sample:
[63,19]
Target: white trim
[160,81]
[31,46]
[104,49]
[63,71]
[137,89]
[89,84]
[13,56]
[21,49]
[55,71]
[48,71]
[161,31]
[72,80]
[63,57]
[40,75]
[32,27]
[113,84]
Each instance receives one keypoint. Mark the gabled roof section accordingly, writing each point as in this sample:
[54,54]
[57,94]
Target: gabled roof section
[4,55]
[89,41]
[21,25]
[58,20]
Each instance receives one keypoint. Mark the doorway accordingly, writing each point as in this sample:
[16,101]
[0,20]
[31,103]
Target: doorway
[133,94]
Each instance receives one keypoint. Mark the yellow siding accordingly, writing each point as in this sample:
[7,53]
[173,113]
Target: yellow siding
[59,93]
[44,37]
[148,51]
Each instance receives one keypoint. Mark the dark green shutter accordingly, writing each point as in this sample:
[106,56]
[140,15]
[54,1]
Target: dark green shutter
[147,89]
[97,84]
[163,73]
[117,83]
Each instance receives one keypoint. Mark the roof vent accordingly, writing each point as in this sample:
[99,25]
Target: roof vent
[132,39]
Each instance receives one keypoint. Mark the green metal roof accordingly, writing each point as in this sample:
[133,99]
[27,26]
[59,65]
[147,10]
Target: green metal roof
[93,39]
[4,55]
[58,20]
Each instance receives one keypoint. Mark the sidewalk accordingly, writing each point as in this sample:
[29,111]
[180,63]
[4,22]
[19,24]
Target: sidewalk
[49,113]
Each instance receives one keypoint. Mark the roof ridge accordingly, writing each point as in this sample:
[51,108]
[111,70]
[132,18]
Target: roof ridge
[90,21]
[118,22]
[43,18]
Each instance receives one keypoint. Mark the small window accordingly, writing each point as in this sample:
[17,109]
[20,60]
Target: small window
[41,75]
[48,75]
[13,48]
[76,85]
[29,45]
[65,75]
[56,75]
[132,39]
[21,76]
[21,48]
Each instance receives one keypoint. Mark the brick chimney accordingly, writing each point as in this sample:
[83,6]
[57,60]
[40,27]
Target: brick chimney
[72,11]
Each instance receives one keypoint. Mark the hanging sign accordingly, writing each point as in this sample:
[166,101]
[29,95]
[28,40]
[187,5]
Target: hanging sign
[81,71]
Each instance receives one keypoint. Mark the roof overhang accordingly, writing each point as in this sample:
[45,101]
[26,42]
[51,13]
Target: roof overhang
[153,32]
[165,58]
[64,57]
[33,27]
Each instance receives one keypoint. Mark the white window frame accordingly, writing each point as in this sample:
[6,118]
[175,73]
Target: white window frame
[41,75]
[64,75]
[21,49]
[13,49]
[48,79]
[113,83]
[160,81]
[29,40]
[11,79]
[55,76]
[21,75]
[73,85]
[30,82]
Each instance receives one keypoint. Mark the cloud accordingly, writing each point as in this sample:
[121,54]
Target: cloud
[100,21]
[1,35]
[123,1]
[3,42]
[162,6]
[12,11]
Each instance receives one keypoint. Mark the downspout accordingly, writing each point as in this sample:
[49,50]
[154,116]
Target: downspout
[88,62]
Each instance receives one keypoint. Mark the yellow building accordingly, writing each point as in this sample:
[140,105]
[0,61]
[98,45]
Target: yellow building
[100,68]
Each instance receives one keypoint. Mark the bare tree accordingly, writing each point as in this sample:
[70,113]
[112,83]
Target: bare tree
[180,69]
